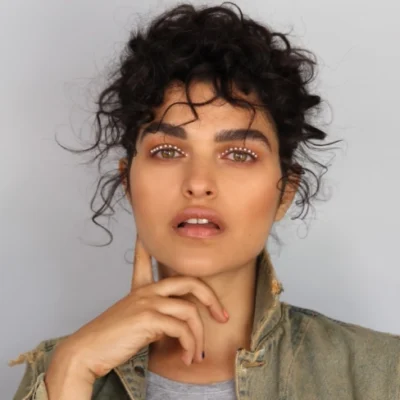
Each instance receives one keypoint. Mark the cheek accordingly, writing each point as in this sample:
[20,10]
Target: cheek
[261,199]
[151,194]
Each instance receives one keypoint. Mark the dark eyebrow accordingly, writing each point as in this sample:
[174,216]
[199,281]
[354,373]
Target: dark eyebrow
[224,135]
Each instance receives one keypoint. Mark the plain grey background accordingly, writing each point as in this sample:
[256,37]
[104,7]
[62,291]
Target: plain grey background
[53,54]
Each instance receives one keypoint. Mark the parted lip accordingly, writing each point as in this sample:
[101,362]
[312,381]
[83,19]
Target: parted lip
[198,212]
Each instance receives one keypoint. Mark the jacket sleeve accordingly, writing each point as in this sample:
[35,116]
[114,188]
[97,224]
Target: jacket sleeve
[37,360]
[31,388]
[32,385]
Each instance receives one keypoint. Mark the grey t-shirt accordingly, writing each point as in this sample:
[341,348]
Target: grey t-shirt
[160,388]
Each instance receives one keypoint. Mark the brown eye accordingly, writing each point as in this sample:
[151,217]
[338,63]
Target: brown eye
[238,156]
[167,151]
[241,156]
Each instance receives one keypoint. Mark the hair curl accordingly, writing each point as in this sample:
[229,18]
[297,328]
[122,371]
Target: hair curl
[218,46]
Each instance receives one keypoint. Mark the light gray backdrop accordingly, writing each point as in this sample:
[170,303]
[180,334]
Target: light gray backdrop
[53,54]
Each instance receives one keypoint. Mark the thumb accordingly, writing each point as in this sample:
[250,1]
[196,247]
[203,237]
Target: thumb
[142,270]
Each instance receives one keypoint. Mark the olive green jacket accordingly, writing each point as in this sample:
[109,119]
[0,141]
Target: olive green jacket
[295,354]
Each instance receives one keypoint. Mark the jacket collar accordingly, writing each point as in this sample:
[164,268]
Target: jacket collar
[267,310]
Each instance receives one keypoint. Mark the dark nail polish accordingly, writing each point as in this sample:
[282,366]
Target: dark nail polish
[203,355]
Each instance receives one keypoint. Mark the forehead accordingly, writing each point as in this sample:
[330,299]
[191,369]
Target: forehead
[218,113]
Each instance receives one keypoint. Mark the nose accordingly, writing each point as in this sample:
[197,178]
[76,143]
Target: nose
[199,182]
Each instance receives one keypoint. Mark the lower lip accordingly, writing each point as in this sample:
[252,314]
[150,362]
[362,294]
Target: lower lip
[197,231]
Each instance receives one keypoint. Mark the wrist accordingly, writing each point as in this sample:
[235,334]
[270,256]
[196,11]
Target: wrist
[67,377]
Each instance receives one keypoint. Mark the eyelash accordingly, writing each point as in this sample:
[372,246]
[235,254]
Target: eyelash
[240,150]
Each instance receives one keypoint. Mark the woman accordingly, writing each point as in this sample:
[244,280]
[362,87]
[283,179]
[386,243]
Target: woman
[212,111]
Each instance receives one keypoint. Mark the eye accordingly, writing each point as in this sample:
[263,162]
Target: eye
[240,154]
[167,149]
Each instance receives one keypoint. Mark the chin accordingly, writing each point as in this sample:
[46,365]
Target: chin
[190,266]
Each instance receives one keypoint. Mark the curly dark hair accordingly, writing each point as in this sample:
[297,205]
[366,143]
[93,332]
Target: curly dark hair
[218,46]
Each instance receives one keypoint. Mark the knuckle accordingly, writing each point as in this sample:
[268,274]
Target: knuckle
[195,281]
[192,308]
[188,279]
[147,315]
[142,291]
[182,326]
[142,302]
[186,329]
[138,292]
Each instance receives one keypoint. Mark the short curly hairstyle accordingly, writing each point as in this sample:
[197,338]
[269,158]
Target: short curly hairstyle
[214,45]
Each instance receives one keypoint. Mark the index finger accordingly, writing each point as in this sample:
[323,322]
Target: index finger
[142,271]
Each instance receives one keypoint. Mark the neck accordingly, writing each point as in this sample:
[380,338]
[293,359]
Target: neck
[221,340]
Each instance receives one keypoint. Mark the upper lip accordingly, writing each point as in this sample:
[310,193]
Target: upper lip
[198,212]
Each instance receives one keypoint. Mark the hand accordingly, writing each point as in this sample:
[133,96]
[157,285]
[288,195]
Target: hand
[145,315]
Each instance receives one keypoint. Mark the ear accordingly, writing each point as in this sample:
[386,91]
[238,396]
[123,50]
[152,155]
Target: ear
[290,191]
[122,166]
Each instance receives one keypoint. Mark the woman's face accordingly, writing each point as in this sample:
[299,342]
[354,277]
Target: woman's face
[242,190]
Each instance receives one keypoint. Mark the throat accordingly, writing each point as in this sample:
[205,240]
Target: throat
[210,370]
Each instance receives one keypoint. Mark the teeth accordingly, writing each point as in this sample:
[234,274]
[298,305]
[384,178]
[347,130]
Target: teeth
[197,221]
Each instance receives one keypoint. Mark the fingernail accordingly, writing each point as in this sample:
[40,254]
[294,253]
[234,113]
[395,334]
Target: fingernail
[226,314]
[187,360]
